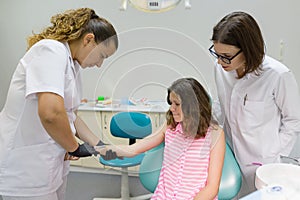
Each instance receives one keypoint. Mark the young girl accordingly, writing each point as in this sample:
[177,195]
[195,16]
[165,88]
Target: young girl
[194,145]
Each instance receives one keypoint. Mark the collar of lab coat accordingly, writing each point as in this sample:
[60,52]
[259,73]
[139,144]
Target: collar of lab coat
[74,64]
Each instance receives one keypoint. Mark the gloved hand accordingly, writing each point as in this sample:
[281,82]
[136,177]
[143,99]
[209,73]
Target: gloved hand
[84,150]
[109,155]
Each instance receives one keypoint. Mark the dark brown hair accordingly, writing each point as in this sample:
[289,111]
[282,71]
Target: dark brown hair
[195,104]
[241,30]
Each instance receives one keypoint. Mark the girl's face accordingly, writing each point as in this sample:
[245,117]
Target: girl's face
[175,107]
[228,51]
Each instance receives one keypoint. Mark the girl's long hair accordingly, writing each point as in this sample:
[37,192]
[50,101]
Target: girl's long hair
[195,104]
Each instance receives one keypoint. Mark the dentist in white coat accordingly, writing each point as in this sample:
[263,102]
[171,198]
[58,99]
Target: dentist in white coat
[258,95]
[38,123]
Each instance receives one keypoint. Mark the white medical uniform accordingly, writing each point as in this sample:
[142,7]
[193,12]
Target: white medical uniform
[31,162]
[262,115]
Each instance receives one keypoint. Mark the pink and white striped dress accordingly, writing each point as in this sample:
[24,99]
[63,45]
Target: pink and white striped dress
[185,166]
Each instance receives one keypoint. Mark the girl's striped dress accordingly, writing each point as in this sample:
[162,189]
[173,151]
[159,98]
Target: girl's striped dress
[185,166]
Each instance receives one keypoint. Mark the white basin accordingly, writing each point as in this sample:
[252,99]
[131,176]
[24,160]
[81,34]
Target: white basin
[286,176]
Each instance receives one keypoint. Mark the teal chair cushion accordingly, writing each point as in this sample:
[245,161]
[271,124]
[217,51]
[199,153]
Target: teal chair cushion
[125,162]
[150,167]
[231,179]
[130,125]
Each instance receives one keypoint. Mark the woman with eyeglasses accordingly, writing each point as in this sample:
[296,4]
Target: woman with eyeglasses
[257,96]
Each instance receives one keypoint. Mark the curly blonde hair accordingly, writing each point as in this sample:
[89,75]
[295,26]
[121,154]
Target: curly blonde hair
[73,24]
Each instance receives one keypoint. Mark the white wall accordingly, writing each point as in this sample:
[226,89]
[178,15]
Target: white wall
[156,48]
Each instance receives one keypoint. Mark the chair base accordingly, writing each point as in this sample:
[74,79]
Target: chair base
[141,197]
[125,189]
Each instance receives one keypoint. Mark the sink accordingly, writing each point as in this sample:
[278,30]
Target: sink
[282,176]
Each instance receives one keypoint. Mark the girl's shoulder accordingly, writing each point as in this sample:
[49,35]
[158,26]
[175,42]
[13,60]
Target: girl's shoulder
[177,128]
[216,133]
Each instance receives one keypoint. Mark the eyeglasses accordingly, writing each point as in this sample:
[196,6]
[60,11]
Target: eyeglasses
[223,58]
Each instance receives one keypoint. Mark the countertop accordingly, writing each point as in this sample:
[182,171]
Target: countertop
[151,106]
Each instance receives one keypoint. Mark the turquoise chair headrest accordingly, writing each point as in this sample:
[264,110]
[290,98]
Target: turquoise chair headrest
[133,125]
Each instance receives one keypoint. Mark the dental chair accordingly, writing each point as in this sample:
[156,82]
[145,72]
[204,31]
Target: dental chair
[130,125]
[231,179]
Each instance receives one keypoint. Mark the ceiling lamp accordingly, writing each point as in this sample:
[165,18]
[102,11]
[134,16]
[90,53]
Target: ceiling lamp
[154,5]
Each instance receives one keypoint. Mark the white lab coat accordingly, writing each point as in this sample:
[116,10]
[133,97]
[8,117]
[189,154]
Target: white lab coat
[261,115]
[31,162]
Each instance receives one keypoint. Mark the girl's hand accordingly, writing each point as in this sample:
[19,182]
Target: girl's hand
[108,152]
[101,149]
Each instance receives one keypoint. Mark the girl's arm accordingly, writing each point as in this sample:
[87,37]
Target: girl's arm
[210,191]
[140,146]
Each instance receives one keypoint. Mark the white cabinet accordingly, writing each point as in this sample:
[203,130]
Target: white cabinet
[155,120]
[92,119]
[98,120]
